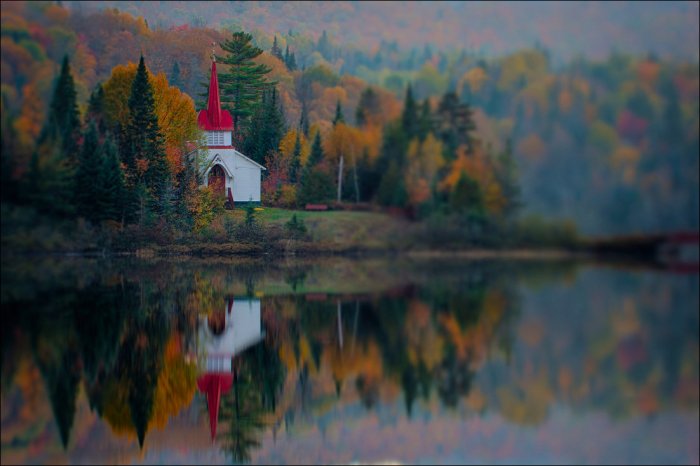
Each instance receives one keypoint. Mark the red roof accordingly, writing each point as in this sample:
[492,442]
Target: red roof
[214,384]
[214,118]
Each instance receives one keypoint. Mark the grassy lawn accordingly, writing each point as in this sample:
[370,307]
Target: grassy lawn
[346,227]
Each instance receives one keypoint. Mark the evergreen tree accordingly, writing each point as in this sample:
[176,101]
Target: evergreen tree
[304,120]
[466,195]
[175,77]
[339,118]
[145,139]
[507,177]
[96,109]
[110,188]
[243,86]
[316,155]
[368,105]
[276,51]
[409,117]
[315,183]
[295,163]
[63,112]
[290,60]
[425,123]
[49,184]
[266,129]
[324,46]
[392,189]
[454,123]
[87,177]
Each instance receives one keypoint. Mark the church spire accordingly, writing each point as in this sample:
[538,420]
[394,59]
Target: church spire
[214,104]
[214,118]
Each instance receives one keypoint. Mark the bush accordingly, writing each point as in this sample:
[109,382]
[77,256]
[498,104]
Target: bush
[297,228]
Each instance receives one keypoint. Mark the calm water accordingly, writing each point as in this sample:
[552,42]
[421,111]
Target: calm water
[345,361]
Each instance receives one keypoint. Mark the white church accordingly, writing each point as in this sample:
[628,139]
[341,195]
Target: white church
[230,173]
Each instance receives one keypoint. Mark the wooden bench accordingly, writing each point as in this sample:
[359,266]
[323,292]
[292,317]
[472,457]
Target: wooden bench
[316,207]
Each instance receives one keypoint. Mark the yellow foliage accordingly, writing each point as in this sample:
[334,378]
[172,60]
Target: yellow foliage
[177,118]
[475,77]
[424,161]
[287,146]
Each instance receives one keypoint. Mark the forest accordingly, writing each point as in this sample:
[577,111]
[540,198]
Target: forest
[449,137]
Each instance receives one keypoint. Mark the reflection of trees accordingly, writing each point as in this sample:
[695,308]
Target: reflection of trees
[257,382]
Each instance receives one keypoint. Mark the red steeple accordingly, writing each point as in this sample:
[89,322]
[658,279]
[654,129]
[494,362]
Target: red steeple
[214,118]
[214,384]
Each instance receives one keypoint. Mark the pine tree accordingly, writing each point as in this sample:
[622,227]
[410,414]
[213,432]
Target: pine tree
[466,195]
[87,177]
[304,120]
[266,129]
[96,109]
[507,177]
[295,163]
[175,78]
[368,105]
[339,118]
[146,140]
[454,123]
[409,117]
[292,62]
[316,155]
[276,51]
[324,46]
[425,123]
[63,112]
[110,188]
[243,86]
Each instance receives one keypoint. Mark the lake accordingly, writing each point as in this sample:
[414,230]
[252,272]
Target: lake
[348,361]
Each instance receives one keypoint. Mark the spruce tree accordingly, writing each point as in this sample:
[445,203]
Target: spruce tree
[244,84]
[266,129]
[87,177]
[292,62]
[110,188]
[63,112]
[175,77]
[146,140]
[295,163]
[96,109]
[368,105]
[425,123]
[454,123]
[316,155]
[409,117]
[304,120]
[339,118]
[276,51]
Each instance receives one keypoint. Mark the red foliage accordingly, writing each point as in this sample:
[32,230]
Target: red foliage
[631,126]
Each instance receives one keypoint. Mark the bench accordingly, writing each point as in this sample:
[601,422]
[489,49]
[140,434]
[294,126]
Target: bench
[316,207]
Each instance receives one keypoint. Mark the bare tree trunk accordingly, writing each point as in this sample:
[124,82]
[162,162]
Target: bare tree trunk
[340,177]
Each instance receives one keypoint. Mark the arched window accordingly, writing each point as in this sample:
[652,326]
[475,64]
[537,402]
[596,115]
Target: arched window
[217,179]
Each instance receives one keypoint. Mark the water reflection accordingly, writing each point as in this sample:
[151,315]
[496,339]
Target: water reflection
[251,355]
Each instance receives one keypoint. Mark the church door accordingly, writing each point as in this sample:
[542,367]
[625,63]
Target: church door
[217,180]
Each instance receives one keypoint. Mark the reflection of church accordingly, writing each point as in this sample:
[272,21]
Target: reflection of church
[222,336]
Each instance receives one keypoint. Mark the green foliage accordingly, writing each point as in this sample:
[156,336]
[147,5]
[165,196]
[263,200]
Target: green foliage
[110,186]
[315,186]
[296,227]
[295,163]
[250,215]
[87,177]
[145,143]
[63,112]
[466,195]
[266,129]
[339,118]
[243,86]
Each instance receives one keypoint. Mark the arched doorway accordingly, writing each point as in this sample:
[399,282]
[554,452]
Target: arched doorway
[217,180]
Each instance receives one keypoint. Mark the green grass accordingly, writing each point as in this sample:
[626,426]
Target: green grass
[344,227]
